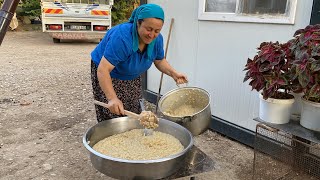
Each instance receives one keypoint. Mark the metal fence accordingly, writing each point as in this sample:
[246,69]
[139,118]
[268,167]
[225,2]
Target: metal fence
[280,155]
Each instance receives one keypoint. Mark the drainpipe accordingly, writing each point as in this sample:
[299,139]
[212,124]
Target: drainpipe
[6,14]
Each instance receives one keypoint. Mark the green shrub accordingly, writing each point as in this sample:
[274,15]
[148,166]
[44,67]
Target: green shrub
[30,8]
[121,11]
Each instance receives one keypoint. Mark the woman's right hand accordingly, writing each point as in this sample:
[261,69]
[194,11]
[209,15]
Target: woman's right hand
[179,78]
[116,106]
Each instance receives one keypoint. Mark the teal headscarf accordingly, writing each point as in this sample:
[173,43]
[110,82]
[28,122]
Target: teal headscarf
[142,12]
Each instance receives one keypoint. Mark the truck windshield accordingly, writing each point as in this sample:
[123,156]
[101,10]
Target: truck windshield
[80,1]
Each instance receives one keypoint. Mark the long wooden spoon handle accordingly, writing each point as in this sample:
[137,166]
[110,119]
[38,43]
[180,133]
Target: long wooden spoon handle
[126,112]
[132,114]
[101,104]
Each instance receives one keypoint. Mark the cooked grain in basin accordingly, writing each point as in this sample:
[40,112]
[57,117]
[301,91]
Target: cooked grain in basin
[133,145]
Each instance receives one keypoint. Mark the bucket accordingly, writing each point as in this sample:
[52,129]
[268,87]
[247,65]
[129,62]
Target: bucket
[276,111]
[187,106]
[310,115]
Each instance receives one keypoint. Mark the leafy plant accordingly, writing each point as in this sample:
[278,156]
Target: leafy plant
[30,8]
[270,70]
[306,49]
[121,11]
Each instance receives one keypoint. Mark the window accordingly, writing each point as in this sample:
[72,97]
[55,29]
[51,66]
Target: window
[228,6]
[259,11]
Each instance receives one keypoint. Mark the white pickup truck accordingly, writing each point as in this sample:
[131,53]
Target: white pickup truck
[76,19]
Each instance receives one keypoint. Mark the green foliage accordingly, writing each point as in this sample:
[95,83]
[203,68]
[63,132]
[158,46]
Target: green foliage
[30,8]
[121,11]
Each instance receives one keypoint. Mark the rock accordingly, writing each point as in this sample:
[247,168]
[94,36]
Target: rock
[24,103]
[26,20]
[47,166]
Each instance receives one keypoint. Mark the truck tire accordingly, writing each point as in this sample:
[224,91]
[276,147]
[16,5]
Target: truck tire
[55,40]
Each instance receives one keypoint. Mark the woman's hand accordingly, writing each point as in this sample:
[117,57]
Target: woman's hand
[180,78]
[116,106]
[166,68]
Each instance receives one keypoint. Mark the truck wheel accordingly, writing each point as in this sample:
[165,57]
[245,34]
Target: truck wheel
[55,40]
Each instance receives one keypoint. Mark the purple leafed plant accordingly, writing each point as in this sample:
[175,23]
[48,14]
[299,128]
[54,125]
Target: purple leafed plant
[270,70]
[306,65]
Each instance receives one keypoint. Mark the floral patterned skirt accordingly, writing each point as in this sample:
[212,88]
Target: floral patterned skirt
[128,91]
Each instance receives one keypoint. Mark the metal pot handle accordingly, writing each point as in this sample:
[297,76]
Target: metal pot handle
[186,119]
[182,85]
[142,105]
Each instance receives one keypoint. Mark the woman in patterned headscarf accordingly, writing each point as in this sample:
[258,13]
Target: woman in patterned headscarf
[126,52]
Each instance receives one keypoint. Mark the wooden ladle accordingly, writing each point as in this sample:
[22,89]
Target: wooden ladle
[144,117]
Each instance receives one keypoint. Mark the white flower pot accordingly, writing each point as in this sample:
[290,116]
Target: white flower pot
[276,111]
[310,115]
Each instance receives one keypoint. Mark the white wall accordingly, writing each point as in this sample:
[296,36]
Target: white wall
[213,55]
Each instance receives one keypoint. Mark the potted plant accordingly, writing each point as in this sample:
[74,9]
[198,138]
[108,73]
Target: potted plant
[306,49]
[270,74]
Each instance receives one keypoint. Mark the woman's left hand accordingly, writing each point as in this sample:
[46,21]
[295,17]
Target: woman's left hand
[180,78]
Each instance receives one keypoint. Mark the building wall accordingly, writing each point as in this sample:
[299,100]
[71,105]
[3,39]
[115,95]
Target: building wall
[213,55]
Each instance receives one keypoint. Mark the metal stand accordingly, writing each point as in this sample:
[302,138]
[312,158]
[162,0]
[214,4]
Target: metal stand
[195,163]
[286,151]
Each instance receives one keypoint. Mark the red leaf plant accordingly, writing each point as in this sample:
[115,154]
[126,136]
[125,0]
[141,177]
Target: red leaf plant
[270,70]
[306,65]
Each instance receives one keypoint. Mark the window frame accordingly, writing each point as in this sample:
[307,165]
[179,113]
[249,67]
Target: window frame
[235,17]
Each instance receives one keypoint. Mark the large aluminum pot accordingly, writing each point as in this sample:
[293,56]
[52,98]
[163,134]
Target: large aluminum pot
[140,169]
[193,96]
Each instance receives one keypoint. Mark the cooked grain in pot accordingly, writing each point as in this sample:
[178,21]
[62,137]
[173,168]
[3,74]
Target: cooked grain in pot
[184,110]
[133,145]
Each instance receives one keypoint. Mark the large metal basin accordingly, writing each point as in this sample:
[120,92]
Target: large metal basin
[193,96]
[141,169]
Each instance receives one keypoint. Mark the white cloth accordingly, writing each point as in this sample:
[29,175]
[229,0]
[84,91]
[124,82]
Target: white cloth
[14,22]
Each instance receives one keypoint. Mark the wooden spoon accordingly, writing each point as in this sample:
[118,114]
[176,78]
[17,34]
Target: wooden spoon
[147,131]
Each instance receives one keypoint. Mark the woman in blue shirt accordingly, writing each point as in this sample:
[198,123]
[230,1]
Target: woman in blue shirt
[126,52]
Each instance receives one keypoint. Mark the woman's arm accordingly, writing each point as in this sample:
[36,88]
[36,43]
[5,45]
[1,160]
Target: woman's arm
[166,68]
[105,82]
